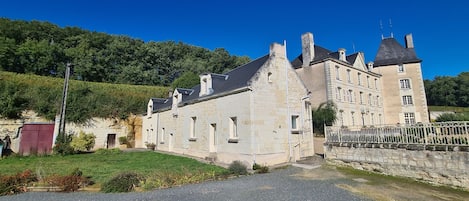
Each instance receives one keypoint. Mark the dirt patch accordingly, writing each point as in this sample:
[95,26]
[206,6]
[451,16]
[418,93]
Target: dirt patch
[381,187]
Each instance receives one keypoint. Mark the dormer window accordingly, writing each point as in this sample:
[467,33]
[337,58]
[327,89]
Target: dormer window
[205,85]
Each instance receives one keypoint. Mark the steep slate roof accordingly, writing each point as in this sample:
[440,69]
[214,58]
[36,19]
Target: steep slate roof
[321,53]
[234,79]
[391,52]
[351,58]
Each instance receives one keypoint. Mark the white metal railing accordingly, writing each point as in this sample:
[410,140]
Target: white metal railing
[443,133]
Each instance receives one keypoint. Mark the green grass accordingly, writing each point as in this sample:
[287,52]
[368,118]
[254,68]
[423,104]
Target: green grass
[449,108]
[102,168]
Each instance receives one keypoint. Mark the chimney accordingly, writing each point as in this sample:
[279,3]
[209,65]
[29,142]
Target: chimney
[342,56]
[307,45]
[277,50]
[409,42]
[370,65]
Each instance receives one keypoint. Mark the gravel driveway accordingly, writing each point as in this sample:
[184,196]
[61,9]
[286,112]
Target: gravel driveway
[283,184]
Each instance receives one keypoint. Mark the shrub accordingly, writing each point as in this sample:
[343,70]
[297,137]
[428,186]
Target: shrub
[62,144]
[16,183]
[260,168]
[83,142]
[123,182]
[238,168]
[68,183]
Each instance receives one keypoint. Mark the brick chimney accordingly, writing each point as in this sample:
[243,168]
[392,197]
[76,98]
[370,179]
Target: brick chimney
[307,45]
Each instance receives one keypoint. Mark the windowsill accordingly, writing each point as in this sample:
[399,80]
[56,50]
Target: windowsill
[192,139]
[161,142]
[295,131]
[233,140]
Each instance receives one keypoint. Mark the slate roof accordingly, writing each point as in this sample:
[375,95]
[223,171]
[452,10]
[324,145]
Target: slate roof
[321,53]
[234,79]
[391,52]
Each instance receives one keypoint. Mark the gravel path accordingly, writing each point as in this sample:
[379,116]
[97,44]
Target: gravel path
[277,185]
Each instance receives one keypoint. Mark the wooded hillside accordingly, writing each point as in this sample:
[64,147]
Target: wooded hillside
[43,48]
[448,90]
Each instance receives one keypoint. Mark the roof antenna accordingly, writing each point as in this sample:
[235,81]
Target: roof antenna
[390,27]
[381,29]
[353,46]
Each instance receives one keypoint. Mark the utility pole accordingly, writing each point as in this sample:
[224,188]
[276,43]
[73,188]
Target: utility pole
[64,100]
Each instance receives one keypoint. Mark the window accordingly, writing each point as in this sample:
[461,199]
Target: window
[269,77]
[376,84]
[409,118]
[361,97]
[377,101]
[341,117]
[294,122]
[353,117]
[337,93]
[370,99]
[368,81]
[405,83]
[350,95]
[380,119]
[359,79]
[372,119]
[400,68]
[162,135]
[192,127]
[407,100]
[337,72]
[233,127]
[349,77]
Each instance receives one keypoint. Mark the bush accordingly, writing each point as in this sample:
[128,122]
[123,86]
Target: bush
[124,182]
[260,168]
[16,183]
[68,183]
[62,145]
[83,142]
[238,168]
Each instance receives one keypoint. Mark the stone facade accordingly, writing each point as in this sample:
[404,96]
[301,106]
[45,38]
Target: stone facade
[105,130]
[439,167]
[365,94]
[266,122]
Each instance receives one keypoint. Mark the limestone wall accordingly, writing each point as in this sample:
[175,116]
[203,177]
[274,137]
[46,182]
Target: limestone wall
[438,167]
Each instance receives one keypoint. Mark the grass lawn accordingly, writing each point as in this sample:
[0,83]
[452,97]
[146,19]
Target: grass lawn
[448,108]
[102,167]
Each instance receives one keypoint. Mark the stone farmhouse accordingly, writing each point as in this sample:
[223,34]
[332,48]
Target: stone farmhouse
[257,113]
[261,112]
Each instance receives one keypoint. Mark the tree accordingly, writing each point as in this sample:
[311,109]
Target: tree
[12,103]
[187,80]
[325,114]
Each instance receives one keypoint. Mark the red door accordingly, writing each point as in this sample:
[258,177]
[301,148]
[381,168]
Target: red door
[36,139]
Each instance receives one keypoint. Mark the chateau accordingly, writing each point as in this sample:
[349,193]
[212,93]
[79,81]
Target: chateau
[261,112]
[389,90]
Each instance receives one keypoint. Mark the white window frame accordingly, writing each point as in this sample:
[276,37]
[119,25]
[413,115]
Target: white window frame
[359,79]
[407,100]
[234,128]
[295,123]
[405,84]
[400,68]
[337,72]
[349,76]
[192,135]
[409,118]
[163,133]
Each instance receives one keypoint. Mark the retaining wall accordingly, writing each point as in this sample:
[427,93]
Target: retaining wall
[447,167]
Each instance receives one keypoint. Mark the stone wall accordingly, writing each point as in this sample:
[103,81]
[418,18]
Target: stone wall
[438,167]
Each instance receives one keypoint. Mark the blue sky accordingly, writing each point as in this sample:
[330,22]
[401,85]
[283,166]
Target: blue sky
[247,27]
